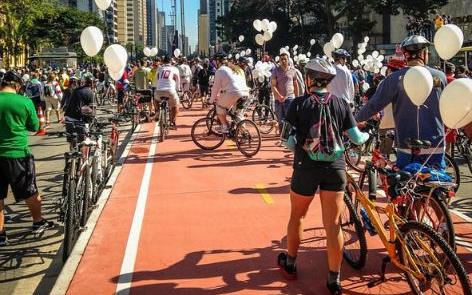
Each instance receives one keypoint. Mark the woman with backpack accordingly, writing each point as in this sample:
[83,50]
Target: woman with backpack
[53,95]
[318,121]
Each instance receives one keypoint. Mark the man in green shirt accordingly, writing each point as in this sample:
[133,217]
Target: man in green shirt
[17,170]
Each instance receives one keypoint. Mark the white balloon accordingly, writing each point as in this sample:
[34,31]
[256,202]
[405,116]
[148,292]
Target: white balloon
[115,57]
[418,84]
[103,4]
[369,57]
[259,39]
[248,51]
[360,57]
[361,51]
[265,24]
[154,51]
[91,40]
[363,45]
[355,63]
[230,55]
[295,53]
[237,55]
[308,54]
[295,47]
[337,40]
[312,42]
[243,53]
[455,104]
[365,86]
[295,58]
[380,58]
[448,41]
[366,39]
[383,71]
[277,58]
[116,75]
[257,24]
[376,70]
[375,54]
[287,48]
[272,26]
[241,38]
[147,51]
[328,48]
[177,52]
[267,36]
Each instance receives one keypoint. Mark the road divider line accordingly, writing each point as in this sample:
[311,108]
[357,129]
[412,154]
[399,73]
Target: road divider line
[67,273]
[264,194]
[464,243]
[129,260]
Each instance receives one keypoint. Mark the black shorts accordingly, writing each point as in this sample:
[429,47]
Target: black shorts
[145,96]
[120,95]
[20,174]
[204,90]
[306,181]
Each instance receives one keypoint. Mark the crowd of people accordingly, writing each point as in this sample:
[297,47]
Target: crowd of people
[315,98]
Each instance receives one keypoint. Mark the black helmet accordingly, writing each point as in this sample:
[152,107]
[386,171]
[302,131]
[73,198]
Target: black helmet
[12,77]
[243,60]
[221,56]
[340,53]
[414,43]
[166,59]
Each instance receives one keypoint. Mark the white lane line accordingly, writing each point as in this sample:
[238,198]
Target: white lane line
[461,215]
[67,273]
[127,267]
[464,243]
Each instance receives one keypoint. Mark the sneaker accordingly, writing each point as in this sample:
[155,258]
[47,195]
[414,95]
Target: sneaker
[41,226]
[334,288]
[289,271]
[3,239]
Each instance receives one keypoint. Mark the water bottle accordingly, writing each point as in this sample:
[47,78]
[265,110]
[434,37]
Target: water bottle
[367,223]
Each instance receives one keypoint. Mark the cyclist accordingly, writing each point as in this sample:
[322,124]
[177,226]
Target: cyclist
[342,85]
[168,85]
[142,87]
[122,87]
[415,50]
[185,74]
[227,89]
[304,113]
[203,78]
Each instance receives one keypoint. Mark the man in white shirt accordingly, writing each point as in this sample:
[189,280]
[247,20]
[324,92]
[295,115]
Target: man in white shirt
[185,74]
[227,89]
[168,84]
[342,85]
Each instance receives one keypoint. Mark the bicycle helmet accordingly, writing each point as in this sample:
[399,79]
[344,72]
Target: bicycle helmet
[414,43]
[220,56]
[340,53]
[12,77]
[320,69]
[243,60]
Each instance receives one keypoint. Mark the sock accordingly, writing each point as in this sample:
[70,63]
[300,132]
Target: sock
[291,260]
[334,277]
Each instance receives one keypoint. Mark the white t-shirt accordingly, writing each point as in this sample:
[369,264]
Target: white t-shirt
[168,78]
[342,85]
[185,72]
[228,82]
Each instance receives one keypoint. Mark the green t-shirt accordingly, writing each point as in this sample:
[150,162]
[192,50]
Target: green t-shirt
[17,117]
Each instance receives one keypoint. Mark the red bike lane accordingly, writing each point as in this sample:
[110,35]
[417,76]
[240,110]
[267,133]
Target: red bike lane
[213,222]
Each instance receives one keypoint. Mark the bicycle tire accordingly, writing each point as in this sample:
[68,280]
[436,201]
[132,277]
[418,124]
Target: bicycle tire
[264,118]
[84,195]
[467,154]
[446,227]
[186,100]
[453,260]
[96,181]
[450,162]
[162,127]
[360,262]
[241,135]
[208,132]
[354,164]
[70,221]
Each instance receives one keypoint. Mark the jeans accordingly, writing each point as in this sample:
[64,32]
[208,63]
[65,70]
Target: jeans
[281,109]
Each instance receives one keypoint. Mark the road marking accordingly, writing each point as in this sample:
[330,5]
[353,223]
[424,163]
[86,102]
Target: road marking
[461,215]
[464,243]
[70,267]
[127,267]
[264,194]
[230,143]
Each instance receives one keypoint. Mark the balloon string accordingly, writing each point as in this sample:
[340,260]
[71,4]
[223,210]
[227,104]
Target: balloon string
[418,121]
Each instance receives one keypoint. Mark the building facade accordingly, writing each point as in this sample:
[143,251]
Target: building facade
[161,28]
[151,23]
[203,47]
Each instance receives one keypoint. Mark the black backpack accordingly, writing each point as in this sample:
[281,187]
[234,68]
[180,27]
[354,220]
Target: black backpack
[33,90]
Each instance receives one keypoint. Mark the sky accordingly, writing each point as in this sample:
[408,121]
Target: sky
[191,20]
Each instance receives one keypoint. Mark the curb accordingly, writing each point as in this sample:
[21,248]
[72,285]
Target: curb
[67,273]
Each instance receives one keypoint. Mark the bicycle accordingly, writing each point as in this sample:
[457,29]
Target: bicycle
[164,118]
[416,249]
[462,145]
[261,114]
[244,133]
[130,111]
[186,99]
[106,92]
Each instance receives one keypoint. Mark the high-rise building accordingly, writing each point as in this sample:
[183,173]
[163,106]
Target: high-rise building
[151,23]
[203,47]
[136,22]
[217,9]
[170,31]
[161,28]
[111,18]
[122,6]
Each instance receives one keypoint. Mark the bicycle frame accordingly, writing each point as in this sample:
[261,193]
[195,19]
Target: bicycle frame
[389,238]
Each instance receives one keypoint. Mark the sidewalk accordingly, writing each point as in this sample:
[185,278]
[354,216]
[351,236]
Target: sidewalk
[32,263]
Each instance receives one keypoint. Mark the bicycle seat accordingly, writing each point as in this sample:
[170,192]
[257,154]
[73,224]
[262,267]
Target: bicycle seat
[398,177]
[418,143]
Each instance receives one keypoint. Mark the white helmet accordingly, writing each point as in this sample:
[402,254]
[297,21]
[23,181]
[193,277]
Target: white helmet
[25,78]
[320,69]
[3,71]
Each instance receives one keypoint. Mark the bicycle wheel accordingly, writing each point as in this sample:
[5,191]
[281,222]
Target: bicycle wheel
[442,270]
[204,135]
[264,118]
[434,213]
[248,138]
[453,170]
[84,193]
[355,244]
[71,221]
[162,125]
[186,100]
[353,155]
[97,178]
[467,154]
